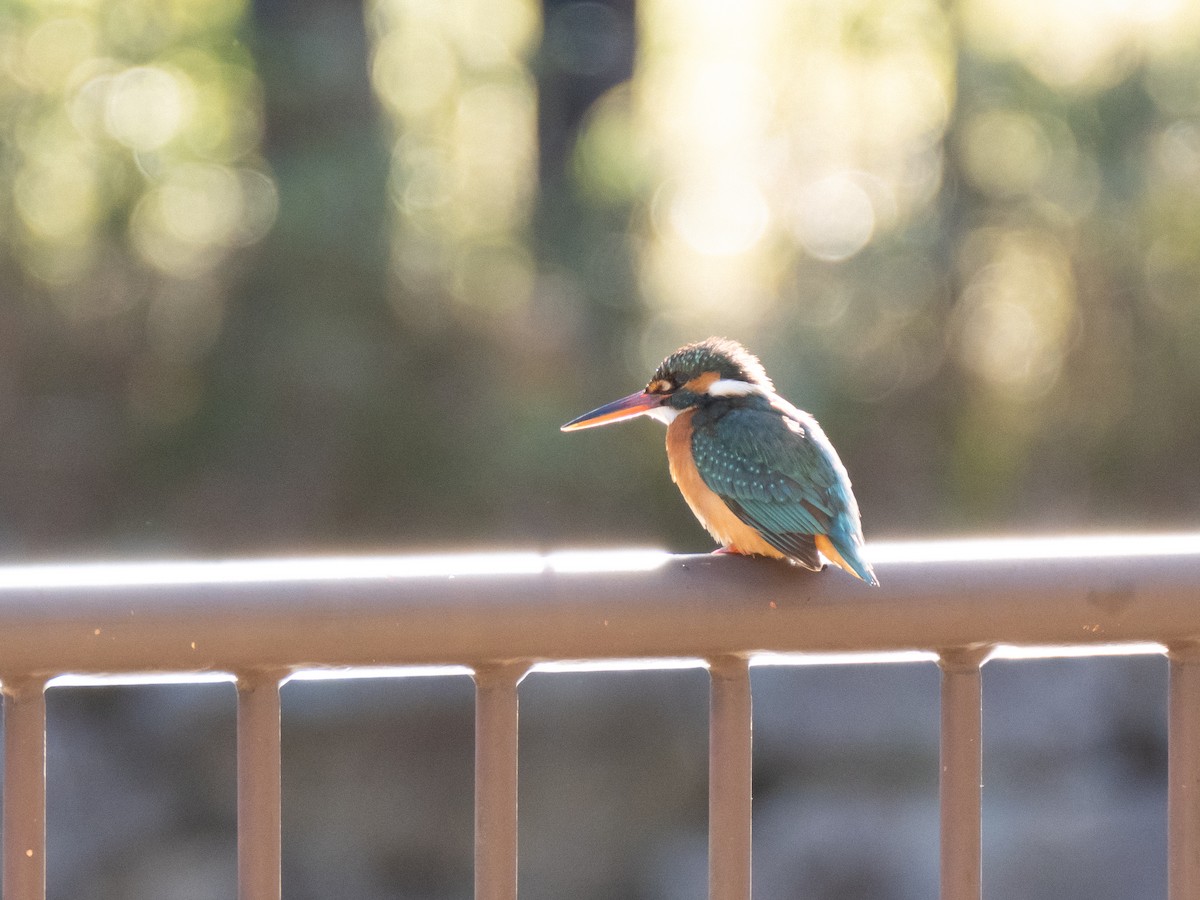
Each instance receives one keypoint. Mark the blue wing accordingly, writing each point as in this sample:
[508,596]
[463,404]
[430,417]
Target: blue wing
[777,472]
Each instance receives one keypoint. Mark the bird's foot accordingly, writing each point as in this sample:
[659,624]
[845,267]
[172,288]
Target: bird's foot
[728,551]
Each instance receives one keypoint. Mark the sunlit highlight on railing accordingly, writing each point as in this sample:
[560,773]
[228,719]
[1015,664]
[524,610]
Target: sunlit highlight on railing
[496,617]
[364,672]
[331,568]
[139,679]
[618,665]
[1036,547]
[1139,648]
[841,659]
[461,565]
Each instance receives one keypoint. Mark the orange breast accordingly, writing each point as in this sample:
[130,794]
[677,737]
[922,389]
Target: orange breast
[729,531]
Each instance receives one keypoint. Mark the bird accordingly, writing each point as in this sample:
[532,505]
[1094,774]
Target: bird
[759,474]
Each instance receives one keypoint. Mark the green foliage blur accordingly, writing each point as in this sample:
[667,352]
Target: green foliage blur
[307,276]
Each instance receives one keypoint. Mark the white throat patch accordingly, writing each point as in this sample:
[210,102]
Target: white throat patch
[664,414]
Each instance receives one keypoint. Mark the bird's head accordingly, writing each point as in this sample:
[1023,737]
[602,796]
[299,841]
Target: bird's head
[702,371]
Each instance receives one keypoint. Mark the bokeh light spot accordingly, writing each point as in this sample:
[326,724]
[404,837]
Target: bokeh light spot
[421,178]
[1006,151]
[1016,310]
[259,207]
[722,217]
[182,225]
[413,72]
[455,79]
[53,51]
[201,204]
[56,196]
[147,106]
[834,217]
[1177,153]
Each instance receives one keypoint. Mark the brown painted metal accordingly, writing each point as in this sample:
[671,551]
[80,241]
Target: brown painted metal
[266,619]
[729,779]
[496,706]
[1183,774]
[689,606]
[24,789]
[259,786]
[961,773]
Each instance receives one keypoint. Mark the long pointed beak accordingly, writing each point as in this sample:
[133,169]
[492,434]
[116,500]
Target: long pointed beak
[625,408]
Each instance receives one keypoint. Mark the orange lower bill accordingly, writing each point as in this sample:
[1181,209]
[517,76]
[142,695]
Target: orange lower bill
[618,410]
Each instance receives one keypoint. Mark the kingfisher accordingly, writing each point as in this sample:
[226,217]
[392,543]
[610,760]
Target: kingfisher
[759,474]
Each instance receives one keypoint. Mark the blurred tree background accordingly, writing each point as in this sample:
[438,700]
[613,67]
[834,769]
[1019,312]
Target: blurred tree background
[297,276]
[317,275]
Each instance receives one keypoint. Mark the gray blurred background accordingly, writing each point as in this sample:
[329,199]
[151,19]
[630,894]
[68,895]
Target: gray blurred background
[312,276]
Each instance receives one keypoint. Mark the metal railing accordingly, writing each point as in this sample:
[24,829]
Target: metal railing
[499,615]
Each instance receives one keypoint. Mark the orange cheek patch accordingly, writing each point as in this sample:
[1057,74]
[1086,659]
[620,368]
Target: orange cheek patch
[701,383]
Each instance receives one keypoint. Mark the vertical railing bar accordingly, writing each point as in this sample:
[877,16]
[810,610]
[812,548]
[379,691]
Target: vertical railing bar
[1183,773]
[24,789]
[730,777]
[961,781]
[496,726]
[259,771]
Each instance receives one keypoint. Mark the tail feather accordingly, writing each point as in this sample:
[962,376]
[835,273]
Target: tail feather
[845,553]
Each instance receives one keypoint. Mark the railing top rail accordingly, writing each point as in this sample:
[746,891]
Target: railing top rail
[286,614]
